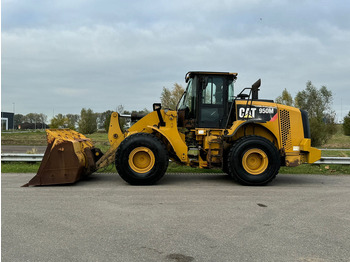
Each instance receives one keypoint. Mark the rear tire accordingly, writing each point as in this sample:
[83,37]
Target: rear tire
[253,160]
[141,159]
[225,162]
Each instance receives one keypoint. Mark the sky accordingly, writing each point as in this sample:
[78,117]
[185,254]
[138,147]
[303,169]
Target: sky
[62,56]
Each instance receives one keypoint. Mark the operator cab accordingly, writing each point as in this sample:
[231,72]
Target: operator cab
[207,101]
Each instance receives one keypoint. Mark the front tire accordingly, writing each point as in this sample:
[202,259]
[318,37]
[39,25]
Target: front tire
[253,160]
[141,159]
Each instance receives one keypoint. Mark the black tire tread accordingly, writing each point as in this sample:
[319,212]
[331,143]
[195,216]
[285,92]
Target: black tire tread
[233,173]
[134,139]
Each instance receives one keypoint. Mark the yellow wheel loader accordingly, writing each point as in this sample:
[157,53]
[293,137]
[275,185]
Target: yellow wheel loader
[247,137]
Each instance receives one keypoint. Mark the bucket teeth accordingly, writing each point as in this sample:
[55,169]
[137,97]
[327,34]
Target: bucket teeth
[68,158]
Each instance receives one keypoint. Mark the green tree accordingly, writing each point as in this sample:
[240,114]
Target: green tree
[165,97]
[123,122]
[144,111]
[32,118]
[19,119]
[103,119]
[87,122]
[317,102]
[37,119]
[59,121]
[285,99]
[43,119]
[170,98]
[346,125]
[107,121]
[73,120]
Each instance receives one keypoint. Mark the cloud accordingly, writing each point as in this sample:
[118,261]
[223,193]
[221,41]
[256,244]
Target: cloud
[98,55]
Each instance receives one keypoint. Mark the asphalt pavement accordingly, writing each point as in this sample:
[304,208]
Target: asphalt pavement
[186,217]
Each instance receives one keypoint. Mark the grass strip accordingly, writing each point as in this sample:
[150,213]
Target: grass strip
[19,167]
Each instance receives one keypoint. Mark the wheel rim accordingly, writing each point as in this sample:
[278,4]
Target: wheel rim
[255,161]
[141,159]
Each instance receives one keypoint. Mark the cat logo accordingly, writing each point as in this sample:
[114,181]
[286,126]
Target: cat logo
[247,112]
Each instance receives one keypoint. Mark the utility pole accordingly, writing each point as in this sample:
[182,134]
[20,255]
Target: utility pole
[341,109]
[13,120]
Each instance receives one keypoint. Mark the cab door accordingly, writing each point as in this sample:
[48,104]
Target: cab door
[212,105]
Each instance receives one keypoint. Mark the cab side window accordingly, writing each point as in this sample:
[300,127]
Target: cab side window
[213,91]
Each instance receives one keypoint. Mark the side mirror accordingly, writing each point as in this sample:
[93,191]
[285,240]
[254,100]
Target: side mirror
[157,106]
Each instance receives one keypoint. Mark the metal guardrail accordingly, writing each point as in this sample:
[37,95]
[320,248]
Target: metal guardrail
[12,157]
[334,149]
[8,157]
[334,160]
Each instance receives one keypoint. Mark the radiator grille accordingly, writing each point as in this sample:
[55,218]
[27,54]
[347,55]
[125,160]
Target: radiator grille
[286,129]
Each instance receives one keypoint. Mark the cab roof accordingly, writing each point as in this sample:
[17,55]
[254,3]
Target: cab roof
[191,74]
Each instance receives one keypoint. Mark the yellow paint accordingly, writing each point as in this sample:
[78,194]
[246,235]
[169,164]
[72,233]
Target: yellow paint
[285,131]
[141,160]
[79,142]
[292,131]
[149,124]
[169,131]
[312,154]
[255,161]
[115,134]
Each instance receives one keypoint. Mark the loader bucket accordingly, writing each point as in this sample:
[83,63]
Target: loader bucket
[69,157]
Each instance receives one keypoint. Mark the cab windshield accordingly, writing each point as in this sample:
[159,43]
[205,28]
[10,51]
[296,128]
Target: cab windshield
[230,91]
[188,100]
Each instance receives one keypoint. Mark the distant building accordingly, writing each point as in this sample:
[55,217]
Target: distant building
[27,125]
[7,120]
